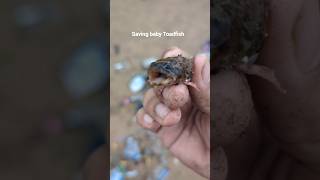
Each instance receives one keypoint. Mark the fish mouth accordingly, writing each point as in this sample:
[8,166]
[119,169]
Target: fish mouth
[157,78]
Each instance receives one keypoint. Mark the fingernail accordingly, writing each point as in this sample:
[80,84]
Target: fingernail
[206,72]
[203,60]
[162,110]
[147,119]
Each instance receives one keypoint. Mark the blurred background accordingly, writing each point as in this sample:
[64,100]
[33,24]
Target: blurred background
[53,78]
[136,153]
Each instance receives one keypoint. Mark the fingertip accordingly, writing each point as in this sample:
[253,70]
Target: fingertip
[161,110]
[171,52]
[172,118]
[199,62]
[201,68]
[146,121]
[143,119]
[176,96]
[148,95]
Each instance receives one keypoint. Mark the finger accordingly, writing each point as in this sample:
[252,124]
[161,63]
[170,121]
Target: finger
[201,76]
[150,94]
[172,118]
[146,121]
[176,96]
[161,113]
[150,101]
[174,51]
[232,103]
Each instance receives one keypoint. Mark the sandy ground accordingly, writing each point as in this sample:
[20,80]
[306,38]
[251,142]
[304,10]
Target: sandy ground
[126,16]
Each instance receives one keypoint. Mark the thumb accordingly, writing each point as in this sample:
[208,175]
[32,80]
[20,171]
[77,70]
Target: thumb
[201,78]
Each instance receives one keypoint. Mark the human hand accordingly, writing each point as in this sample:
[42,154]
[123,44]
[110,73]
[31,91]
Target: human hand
[181,116]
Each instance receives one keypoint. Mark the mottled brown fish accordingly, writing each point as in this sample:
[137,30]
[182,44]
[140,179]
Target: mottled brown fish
[171,71]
